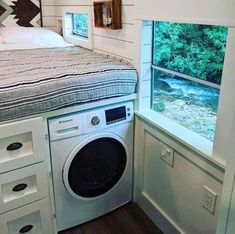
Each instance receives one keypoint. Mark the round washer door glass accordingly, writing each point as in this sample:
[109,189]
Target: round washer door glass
[97,167]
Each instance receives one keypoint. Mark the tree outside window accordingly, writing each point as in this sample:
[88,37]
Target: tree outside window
[187,71]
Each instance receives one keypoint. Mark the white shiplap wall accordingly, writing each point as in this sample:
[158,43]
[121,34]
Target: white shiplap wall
[189,11]
[117,42]
[49,17]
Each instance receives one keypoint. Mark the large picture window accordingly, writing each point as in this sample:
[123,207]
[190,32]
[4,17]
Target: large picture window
[187,69]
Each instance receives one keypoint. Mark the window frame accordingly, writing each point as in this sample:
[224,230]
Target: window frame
[175,73]
[187,77]
[215,152]
[68,30]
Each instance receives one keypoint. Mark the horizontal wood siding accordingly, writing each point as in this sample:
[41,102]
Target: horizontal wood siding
[120,43]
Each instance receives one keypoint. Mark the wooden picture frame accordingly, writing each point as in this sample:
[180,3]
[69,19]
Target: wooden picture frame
[108,14]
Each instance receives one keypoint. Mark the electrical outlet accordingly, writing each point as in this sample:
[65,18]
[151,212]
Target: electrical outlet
[167,155]
[209,199]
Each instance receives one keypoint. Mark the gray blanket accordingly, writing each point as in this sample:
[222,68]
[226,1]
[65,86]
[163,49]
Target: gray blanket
[40,80]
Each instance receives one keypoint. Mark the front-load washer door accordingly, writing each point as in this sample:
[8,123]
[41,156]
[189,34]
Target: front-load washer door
[95,166]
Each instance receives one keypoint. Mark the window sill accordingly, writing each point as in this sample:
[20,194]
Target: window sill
[184,136]
[77,40]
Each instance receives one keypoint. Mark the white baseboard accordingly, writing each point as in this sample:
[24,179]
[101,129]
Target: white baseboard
[164,223]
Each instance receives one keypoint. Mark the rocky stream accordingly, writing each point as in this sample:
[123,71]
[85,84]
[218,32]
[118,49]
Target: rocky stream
[190,104]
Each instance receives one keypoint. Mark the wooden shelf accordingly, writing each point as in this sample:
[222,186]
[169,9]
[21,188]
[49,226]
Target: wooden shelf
[108,14]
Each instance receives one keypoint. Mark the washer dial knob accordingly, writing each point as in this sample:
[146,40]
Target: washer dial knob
[95,120]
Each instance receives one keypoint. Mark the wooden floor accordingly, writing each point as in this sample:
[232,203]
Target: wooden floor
[129,219]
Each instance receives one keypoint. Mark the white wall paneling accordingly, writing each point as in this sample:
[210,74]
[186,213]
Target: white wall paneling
[225,139]
[122,48]
[196,11]
[126,34]
[48,14]
[175,192]
[226,109]
[116,42]
[49,21]
[48,10]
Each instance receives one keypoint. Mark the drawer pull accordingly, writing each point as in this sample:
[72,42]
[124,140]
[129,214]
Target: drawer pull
[14,146]
[19,187]
[26,228]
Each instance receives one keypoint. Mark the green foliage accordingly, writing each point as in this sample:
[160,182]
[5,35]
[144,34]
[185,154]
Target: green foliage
[159,106]
[191,49]
[80,22]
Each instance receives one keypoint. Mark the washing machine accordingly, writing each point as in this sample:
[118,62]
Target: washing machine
[92,162]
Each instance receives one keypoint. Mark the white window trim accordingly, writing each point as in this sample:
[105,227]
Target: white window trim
[183,135]
[225,139]
[226,107]
[83,42]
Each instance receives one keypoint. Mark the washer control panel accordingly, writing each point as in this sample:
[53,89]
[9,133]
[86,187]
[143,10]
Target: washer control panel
[115,114]
[84,122]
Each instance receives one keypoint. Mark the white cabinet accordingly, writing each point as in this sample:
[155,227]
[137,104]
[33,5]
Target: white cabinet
[23,186]
[34,218]
[24,178]
[21,144]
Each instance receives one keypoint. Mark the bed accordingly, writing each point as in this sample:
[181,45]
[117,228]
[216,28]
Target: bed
[37,78]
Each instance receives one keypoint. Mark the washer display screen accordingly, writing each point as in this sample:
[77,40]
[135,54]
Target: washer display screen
[115,114]
[97,167]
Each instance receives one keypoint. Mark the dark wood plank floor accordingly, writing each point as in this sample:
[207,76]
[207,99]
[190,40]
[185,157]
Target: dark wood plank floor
[129,219]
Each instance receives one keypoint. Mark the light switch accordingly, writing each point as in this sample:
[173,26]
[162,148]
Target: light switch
[167,155]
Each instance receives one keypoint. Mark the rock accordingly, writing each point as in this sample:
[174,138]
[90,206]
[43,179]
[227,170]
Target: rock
[162,85]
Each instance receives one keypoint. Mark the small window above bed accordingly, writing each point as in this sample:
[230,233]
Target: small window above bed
[77,26]
[80,24]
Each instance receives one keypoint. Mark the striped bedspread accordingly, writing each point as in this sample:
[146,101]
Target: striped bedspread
[40,80]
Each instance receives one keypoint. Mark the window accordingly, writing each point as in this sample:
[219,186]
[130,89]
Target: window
[80,24]
[77,26]
[187,65]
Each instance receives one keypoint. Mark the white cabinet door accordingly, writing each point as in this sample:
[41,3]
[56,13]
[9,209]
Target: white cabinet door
[21,144]
[23,186]
[34,218]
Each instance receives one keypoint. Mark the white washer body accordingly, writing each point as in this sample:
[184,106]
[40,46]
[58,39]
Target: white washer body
[71,133]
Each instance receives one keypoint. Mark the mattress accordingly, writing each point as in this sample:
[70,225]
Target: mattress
[35,81]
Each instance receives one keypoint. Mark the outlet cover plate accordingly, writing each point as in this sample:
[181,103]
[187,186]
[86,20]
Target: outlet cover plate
[209,199]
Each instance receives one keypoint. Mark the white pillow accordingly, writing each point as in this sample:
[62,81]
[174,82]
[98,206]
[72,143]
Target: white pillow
[39,36]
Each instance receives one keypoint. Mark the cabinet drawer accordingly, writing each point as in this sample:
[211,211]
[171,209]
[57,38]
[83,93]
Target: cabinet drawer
[34,218]
[21,143]
[23,186]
